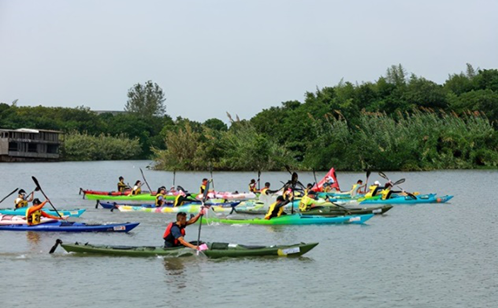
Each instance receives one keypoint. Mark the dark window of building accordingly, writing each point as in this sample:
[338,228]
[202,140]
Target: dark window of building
[32,147]
[13,146]
[52,148]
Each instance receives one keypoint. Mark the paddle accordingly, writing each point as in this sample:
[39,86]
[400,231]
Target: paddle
[259,180]
[366,181]
[293,182]
[204,196]
[174,177]
[150,190]
[9,194]
[314,176]
[39,187]
[211,172]
[57,242]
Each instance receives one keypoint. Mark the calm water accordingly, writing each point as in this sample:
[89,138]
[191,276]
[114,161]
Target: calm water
[436,255]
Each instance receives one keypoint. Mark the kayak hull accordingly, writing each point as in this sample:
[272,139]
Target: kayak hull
[22,211]
[190,208]
[296,219]
[65,226]
[215,250]
[329,210]
[428,198]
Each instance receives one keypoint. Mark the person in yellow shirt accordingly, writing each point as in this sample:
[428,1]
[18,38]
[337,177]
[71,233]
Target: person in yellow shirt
[22,200]
[276,209]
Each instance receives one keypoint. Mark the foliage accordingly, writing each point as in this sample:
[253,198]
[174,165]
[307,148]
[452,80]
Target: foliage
[146,100]
[78,146]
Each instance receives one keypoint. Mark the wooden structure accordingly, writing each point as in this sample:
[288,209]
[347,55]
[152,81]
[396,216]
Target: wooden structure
[29,145]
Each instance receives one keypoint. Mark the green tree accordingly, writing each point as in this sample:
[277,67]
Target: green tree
[146,100]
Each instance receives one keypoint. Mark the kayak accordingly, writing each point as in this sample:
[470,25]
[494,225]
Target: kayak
[215,250]
[22,211]
[67,226]
[428,198]
[132,198]
[189,208]
[328,210]
[19,220]
[295,219]
[113,205]
[108,193]
[230,195]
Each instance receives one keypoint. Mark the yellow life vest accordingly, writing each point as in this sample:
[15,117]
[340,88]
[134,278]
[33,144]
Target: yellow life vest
[158,202]
[384,193]
[272,209]
[371,190]
[177,201]
[137,191]
[20,203]
[121,186]
[264,191]
[202,189]
[305,203]
[34,218]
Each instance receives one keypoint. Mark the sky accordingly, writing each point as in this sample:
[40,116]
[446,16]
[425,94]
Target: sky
[216,56]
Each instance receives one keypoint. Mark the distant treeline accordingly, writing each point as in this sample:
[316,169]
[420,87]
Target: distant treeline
[399,122]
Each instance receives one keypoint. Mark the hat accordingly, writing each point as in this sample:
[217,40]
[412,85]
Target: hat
[21,191]
[377,183]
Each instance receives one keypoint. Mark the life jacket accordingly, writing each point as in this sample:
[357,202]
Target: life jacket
[203,188]
[121,186]
[159,201]
[168,237]
[354,190]
[371,191]
[136,190]
[287,195]
[20,203]
[274,211]
[264,191]
[385,193]
[179,200]
[252,187]
[305,203]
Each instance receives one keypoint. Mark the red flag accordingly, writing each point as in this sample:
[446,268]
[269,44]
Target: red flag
[330,178]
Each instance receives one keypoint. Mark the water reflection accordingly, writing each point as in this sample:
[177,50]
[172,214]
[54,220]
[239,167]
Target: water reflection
[175,272]
[33,238]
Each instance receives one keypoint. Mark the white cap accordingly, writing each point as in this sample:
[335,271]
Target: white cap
[377,183]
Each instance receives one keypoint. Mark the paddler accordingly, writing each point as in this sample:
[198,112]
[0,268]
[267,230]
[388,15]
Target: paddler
[121,185]
[160,196]
[22,200]
[374,189]
[266,190]
[181,198]
[34,213]
[357,188]
[277,208]
[203,185]
[137,189]
[387,191]
[174,235]
[252,186]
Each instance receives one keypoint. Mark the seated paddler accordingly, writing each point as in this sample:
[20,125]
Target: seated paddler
[22,200]
[174,235]
[183,198]
[277,208]
[160,196]
[35,213]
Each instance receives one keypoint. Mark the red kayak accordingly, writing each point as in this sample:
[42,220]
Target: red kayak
[106,193]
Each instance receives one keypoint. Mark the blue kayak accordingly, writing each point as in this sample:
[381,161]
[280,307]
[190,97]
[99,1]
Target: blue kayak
[22,211]
[428,198]
[67,226]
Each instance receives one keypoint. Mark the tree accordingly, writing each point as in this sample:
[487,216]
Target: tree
[146,100]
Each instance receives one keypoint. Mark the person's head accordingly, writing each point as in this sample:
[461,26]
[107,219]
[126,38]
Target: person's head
[267,184]
[204,181]
[309,186]
[22,192]
[359,182]
[253,181]
[36,201]
[121,178]
[137,182]
[388,184]
[181,218]
[377,183]
[280,199]
[162,190]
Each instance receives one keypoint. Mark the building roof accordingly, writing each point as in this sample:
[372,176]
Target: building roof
[30,130]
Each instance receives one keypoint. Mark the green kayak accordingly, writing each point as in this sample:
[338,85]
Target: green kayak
[295,219]
[327,210]
[215,250]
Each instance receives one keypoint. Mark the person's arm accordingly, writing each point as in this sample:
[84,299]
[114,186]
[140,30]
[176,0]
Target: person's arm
[187,244]
[195,218]
[31,198]
[49,216]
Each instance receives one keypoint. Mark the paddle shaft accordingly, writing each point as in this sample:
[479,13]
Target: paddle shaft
[150,190]
[43,193]
[9,194]
[204,196]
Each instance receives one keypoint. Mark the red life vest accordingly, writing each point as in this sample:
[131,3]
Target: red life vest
[168,237]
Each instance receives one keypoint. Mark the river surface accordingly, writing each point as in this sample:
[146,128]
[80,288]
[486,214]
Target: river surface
[432,255]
